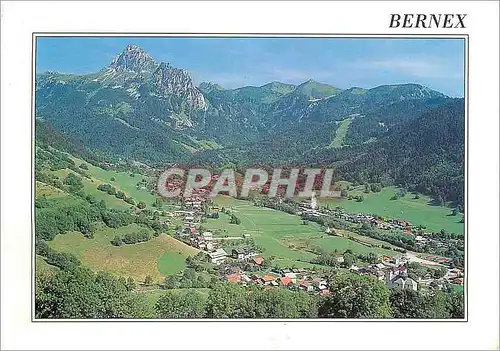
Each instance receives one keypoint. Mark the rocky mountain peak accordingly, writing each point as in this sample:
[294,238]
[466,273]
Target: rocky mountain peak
[210,86]
[135,59]
[169,80]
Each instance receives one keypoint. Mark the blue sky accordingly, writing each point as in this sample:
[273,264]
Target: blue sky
[236,62]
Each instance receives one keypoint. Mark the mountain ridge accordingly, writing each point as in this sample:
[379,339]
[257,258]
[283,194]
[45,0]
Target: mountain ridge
[152,112]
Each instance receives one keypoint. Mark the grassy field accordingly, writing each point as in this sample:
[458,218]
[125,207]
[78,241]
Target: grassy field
[457,288]
[171,263]
[90,188]
[282,235]
[42,189]
[123,181]
[417,211]
[340,133]
[285,263]
[136,261]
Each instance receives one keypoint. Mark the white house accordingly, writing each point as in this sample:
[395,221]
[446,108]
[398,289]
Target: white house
[207,236]
[402,281]
[210,246]
[218,256]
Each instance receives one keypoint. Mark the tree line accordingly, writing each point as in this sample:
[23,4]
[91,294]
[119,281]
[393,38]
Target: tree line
[77,292]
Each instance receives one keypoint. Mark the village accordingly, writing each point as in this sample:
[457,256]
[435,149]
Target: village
[422,238]
[244,265]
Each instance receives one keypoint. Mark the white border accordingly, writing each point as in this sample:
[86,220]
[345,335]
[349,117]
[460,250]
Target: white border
[404,36]
[21,19]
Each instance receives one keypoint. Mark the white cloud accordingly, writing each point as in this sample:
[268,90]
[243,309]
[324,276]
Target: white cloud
[415,67]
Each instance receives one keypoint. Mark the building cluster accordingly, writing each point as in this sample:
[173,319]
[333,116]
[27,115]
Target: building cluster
[390,270]
[293,279]
[421,237]
[394,272]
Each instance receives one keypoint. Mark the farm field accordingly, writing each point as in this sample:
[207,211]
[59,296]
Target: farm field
[417,211]
[136,260]
[123,181]
[42,189]
[90,188]
[171,262]
[283,236]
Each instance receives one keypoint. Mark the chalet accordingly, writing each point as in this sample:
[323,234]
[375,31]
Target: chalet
[402,269]
[268,279]
[320,283]
[243,253]
[420,239]
[367,271]
[258,260]
[218,256]
[256,279]
[304,285]
[207,236]
[233,278]
[182,213]
[245,278]
[285,281]
[238,254]
[291,275]
[354,268]
[402,281]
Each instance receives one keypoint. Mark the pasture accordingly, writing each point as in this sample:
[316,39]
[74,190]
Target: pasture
[421,211]
[90,188]
[126,182]
[340,132]
[157,257]
[42,189]
[282,235]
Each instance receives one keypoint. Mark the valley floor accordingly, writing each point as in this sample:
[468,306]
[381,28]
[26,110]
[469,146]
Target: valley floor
[284,239]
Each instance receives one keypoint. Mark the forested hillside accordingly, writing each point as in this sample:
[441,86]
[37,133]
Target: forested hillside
[143,110]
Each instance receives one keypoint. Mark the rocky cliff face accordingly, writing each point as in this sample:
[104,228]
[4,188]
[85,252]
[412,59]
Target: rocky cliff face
[134,59]
[169,80]
[135,71]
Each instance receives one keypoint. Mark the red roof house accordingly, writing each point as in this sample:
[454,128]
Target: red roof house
[269,278]
[285,281]
[258,260]
[233,278]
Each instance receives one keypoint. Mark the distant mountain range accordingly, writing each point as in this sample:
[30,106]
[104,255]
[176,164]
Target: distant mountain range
[149,111]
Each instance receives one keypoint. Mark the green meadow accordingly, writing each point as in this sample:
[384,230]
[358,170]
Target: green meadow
[340,133]
[282,235]
[419,211]
[126,182]
[158,257]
